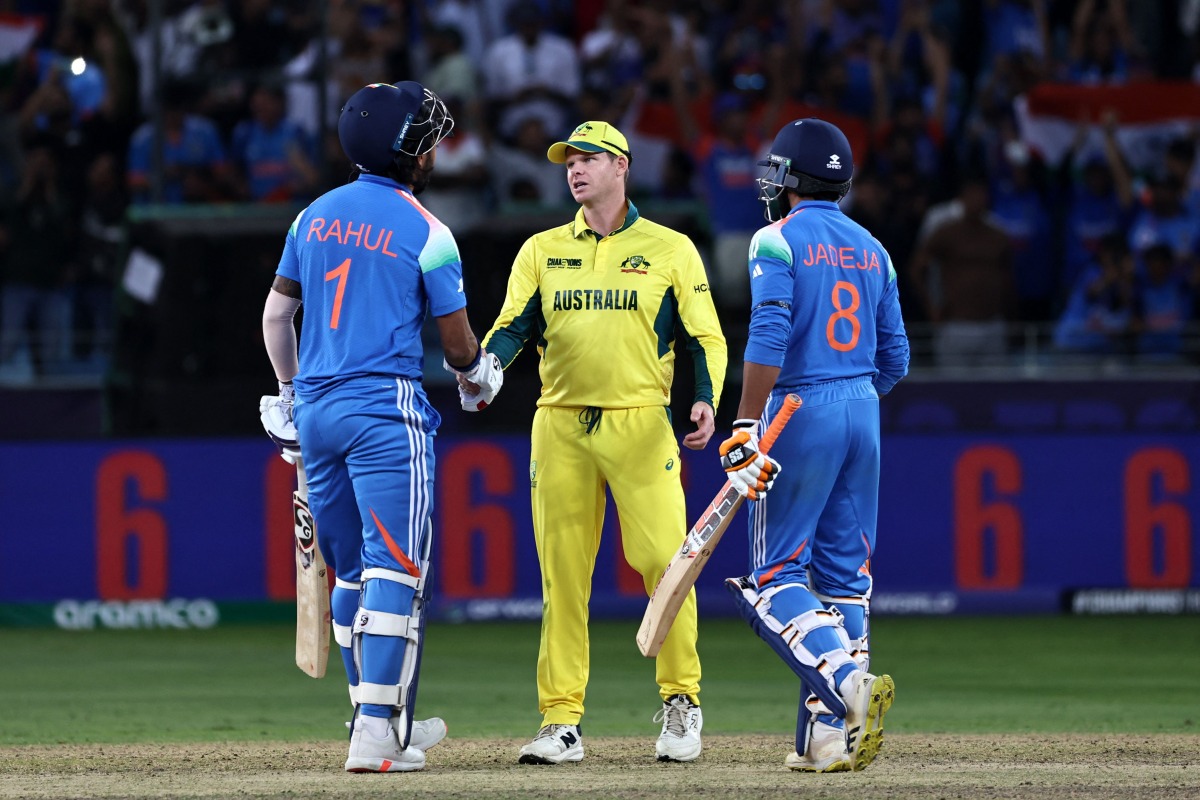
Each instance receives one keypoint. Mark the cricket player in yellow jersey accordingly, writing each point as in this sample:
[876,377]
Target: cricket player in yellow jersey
[604,298]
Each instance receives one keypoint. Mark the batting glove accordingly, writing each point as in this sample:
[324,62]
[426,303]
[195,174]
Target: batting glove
[275,411]
[479,383]
[750,472]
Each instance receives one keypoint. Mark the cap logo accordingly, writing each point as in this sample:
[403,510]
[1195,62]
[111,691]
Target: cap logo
[583,129]
[834,162]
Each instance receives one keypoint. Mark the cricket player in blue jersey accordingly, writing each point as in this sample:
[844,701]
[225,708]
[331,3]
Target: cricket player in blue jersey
[368,262]
[824,323]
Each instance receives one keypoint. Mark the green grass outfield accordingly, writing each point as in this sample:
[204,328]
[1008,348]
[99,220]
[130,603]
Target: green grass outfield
[953,675]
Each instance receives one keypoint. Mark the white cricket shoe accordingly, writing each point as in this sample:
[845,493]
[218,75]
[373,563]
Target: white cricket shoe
[868,697]
[371,753]
[427,732]
[681,723]
[554,744]
[826,751]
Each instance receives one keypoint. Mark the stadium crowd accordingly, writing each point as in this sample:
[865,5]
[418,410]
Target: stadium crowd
[985,228]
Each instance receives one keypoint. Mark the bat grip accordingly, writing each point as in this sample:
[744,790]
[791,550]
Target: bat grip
[790,404]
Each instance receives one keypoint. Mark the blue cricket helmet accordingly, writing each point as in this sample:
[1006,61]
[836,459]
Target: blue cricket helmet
[808,156]
[381,122]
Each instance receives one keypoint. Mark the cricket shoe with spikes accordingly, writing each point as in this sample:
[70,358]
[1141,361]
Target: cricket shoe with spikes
[826,751]
[681,723]
[868,697]
[374,747]
[554,744]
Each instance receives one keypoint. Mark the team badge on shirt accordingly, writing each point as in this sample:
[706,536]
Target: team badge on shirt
[637,264]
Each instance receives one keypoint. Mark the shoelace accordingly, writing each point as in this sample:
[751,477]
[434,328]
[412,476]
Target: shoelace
[674,713]
[549,731]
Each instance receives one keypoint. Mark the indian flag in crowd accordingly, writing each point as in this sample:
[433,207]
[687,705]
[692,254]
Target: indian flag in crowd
[17,34]
[1148,115]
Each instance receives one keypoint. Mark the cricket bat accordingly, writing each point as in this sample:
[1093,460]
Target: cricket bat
[684,569]
[312,586]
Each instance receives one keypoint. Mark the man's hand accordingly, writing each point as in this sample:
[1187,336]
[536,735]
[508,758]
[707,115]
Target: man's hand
[702,415]
[750,472]
[276,415]
[479,383]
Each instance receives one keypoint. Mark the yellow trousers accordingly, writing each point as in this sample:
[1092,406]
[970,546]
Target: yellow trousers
[634,452]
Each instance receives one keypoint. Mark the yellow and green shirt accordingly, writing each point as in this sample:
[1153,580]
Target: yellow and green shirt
[604,312]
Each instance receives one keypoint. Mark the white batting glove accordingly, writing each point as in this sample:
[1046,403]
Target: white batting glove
[750,472]
[479,383]
[275,411]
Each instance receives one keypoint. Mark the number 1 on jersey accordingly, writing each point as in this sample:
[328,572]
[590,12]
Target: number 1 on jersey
[340,274]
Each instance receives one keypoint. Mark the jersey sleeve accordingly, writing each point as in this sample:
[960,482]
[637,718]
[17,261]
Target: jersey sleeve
[441,270]
[698,317]
[289,262]
[771,283]
[521,316]
[892,350]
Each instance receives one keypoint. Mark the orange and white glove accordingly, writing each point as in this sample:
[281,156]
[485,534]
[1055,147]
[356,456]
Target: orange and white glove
[750,472]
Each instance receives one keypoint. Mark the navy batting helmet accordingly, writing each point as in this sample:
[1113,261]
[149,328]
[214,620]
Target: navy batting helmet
[808,156]
[382,122]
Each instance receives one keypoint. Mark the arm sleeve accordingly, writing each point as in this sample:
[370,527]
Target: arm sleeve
[771,282]
[892,351]
[698,317]
[521,316]
[279,334]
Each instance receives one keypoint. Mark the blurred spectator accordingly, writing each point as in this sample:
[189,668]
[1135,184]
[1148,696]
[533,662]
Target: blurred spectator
[874,203]
[530,72]
[275,156]
[453,195]
[1181,164]
[1100,43]
[1163,302]
[195,168]
[971,297]
[1019,209]
[1164,220]
[1100,201]
[726,151]
[521,173]
[38,239]
[1099,314]
[451,74]
[101,245]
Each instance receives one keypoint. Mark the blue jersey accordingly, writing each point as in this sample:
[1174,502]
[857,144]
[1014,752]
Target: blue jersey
[825,305]
[369,260]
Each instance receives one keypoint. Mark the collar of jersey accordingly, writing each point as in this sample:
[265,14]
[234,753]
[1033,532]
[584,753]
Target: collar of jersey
[812,204]
[581,226]
[383,181]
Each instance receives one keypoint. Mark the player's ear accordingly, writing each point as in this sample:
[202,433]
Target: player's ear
[425,161]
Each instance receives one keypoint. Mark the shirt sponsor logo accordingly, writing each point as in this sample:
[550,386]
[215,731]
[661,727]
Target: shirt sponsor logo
[637,264]
[564,263]
[596,300]
[844,257]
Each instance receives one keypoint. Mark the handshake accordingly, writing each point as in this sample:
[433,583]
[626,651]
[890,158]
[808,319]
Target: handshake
[479,382]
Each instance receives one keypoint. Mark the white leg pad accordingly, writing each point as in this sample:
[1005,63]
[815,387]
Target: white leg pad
[343,635]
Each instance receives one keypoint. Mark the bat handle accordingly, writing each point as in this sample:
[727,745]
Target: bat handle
[790,404]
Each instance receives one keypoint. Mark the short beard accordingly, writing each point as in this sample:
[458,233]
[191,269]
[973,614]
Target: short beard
[420,179]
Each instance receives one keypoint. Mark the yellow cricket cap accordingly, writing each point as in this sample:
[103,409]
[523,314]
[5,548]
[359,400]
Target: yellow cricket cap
[591,137]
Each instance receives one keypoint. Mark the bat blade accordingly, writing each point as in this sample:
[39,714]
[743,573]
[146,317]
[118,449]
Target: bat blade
[681,574]
[312,586]
[684,569]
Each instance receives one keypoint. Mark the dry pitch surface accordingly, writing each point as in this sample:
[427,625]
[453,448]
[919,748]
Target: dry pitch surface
[910,766]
